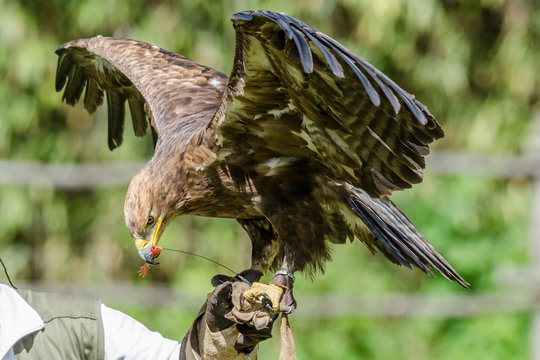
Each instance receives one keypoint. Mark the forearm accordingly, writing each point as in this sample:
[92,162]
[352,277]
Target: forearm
[126,338]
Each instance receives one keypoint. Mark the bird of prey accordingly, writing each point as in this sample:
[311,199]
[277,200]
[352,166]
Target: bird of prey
[302,144]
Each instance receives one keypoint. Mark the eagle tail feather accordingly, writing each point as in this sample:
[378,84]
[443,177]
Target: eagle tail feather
[397,238]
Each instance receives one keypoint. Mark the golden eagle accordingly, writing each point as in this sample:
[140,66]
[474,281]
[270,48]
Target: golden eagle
[302,144]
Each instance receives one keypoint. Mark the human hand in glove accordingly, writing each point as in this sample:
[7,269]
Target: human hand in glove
[228,327]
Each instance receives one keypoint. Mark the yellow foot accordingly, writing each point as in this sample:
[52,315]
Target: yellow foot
[272,292]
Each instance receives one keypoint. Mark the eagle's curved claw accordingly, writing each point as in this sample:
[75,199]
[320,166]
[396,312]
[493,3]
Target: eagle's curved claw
[273,292]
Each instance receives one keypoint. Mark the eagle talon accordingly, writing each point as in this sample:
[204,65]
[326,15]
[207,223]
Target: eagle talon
[266,302]
[271,293]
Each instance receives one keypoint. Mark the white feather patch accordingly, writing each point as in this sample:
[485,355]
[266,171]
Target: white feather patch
[278,112]
[273,165]
[215,83]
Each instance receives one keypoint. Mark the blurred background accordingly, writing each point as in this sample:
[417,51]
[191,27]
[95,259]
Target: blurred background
[475,64]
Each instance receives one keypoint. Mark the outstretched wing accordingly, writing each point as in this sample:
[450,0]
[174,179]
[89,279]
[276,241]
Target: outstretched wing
[295,92]
[159,86]
[302,117]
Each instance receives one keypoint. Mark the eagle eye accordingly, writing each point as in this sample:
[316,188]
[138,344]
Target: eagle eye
[150,220]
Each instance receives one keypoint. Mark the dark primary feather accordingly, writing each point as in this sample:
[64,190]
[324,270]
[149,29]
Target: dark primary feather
[93,97]
[77,70]
[138,115]
[333,63]
[397,238]
[64,64]
[75,86]
[116,110]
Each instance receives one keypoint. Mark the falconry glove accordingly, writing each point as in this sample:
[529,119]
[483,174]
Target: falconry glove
[228,327]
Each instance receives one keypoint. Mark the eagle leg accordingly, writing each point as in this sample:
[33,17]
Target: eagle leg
[285,280]
[265,248]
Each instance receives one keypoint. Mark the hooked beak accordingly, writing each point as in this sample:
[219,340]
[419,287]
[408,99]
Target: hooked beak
[146,248]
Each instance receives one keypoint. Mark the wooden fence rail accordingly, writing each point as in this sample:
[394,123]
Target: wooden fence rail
[319,306]
[76,176]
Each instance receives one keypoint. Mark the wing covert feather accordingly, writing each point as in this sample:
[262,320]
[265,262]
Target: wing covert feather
[355,121]
[173,87]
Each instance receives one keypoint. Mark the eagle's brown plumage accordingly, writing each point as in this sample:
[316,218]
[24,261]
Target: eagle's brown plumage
[303,143]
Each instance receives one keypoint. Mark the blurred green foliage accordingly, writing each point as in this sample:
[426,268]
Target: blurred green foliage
[474,63]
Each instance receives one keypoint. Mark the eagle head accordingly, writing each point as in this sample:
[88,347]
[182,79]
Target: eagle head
[148,210]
